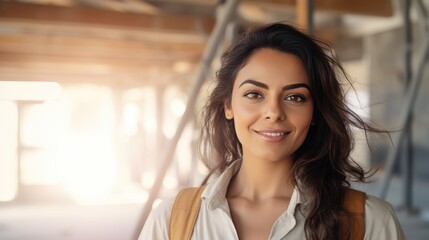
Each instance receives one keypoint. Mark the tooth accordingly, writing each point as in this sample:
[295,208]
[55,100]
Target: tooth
[273,134]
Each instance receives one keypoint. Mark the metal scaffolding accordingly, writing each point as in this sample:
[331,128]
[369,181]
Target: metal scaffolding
[226,12]
[413,81]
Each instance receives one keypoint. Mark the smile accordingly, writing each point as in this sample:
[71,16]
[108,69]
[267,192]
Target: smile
[273,136]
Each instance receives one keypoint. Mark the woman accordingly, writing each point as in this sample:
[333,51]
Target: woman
[277,138]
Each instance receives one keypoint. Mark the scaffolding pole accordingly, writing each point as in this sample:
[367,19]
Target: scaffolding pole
[406,111]
[226,13]
[407,162]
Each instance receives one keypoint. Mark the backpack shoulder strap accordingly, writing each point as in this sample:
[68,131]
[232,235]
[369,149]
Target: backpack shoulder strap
[188,202]
[354,203]
[185,212]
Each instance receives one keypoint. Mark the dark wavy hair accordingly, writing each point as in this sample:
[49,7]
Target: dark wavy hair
[322,165]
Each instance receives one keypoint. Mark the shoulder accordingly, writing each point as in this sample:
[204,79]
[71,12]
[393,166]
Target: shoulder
[156,226]
[381,221]
[377,206]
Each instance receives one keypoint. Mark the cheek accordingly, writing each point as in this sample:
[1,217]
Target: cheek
[244,116]
[244,113]
[301,119]
[302,124]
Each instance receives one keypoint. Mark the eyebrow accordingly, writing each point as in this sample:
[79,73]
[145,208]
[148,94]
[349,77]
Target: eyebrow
[265,86]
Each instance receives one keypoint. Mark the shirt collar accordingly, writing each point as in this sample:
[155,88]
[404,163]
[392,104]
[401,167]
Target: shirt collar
[215,192]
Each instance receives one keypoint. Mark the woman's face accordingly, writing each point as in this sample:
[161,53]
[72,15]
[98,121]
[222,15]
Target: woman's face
[271,105]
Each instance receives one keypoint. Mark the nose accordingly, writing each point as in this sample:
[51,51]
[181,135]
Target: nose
[274,111]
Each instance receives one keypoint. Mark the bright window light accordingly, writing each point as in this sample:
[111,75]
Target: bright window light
[31,91]
[8,153]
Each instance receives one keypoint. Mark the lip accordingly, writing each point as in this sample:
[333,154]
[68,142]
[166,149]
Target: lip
[272,135]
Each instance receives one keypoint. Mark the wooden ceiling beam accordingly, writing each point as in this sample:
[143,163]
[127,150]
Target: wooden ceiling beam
[118,80]
[80,47]
[15,67]
[88,15]
[382,8]
[43,60]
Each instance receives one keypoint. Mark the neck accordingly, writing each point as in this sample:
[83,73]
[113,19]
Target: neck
[260,179]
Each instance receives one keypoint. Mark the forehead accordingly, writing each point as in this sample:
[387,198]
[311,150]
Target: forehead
[273,67]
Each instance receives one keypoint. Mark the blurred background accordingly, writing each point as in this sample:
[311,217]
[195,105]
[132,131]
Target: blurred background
[94,130]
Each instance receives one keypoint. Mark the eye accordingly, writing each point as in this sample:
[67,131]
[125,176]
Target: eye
[253,95]
[295,98]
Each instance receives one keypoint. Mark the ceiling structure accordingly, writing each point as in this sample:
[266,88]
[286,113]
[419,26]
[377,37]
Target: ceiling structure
[135,42]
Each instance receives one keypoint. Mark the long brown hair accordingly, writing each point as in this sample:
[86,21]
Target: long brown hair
[322,164]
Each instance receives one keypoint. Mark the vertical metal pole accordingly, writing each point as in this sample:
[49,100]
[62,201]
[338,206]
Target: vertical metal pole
[160,138]
[228,10]
[310,16]
[407,166]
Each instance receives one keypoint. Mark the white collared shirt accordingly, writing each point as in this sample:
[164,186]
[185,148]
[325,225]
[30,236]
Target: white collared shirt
[214,220]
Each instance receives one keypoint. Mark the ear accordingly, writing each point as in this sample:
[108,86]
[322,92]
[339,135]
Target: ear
[228,110]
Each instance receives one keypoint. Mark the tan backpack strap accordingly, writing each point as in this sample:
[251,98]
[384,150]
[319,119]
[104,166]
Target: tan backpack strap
[185,212]
[354,202]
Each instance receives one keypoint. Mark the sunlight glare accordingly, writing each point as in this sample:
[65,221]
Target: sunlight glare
[26,90]
[8,155]
[148,178]
[170,182]
[89,166]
